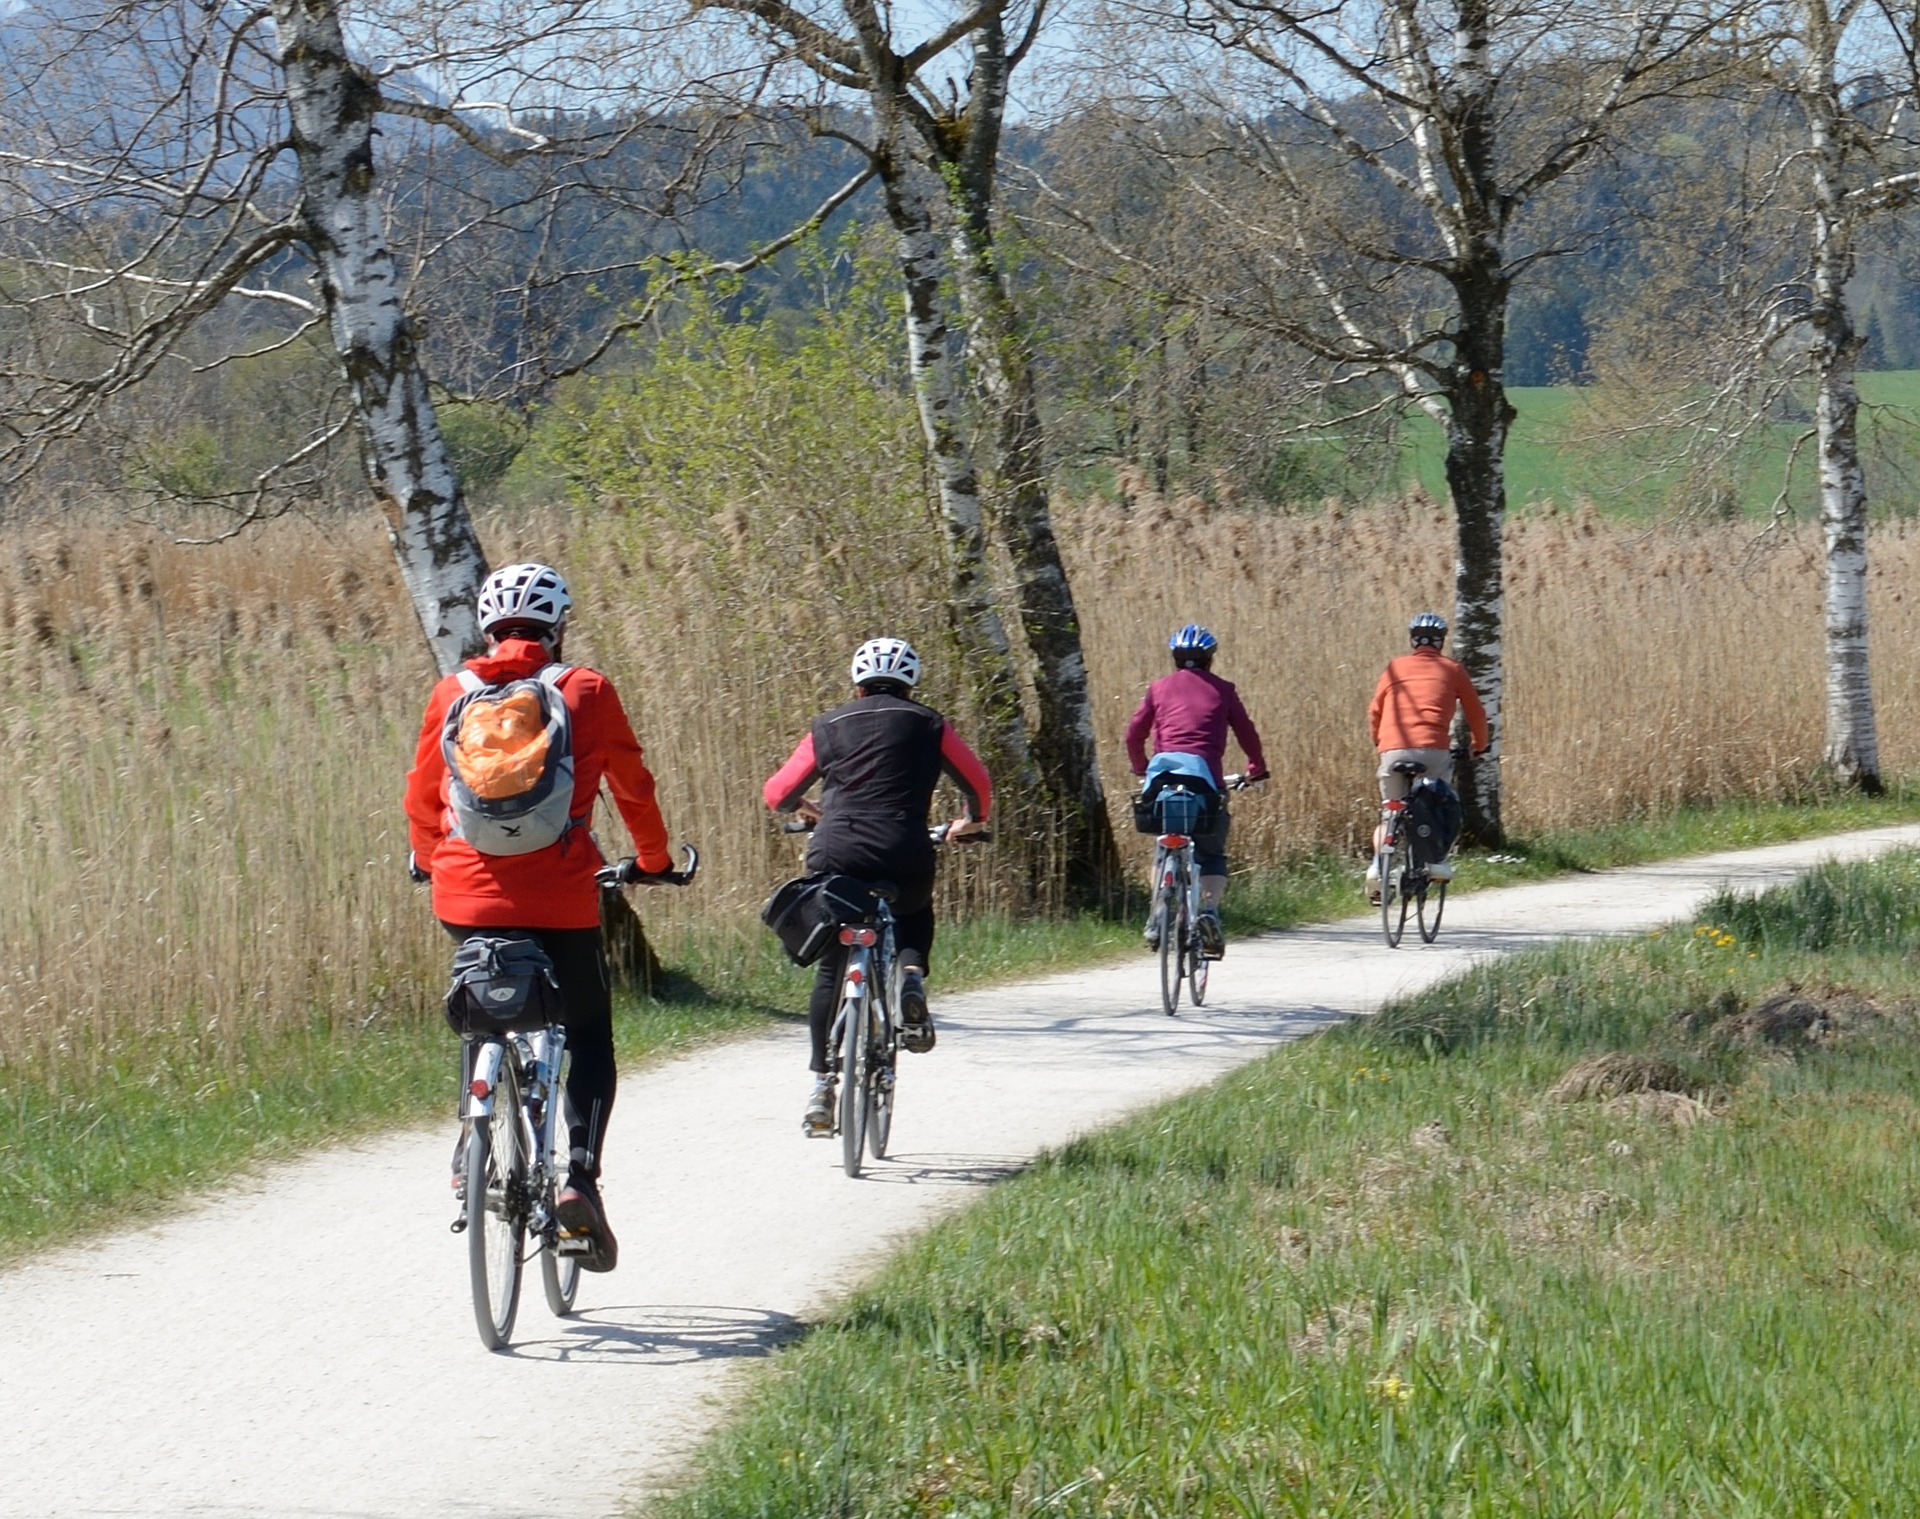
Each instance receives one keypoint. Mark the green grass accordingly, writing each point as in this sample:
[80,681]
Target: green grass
[170,1117]
[1381,1273]
[1553,455]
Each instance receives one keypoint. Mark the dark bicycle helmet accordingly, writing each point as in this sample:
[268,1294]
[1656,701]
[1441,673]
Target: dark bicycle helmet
[1193,644]
[1428,628]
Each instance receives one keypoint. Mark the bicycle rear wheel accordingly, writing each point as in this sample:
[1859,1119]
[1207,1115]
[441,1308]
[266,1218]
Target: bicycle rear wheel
[1173,944]
[1393,891]
[496,1211]
[853,1083]
[1435,896]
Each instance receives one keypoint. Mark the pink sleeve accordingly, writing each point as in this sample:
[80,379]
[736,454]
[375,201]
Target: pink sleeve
[785,786]
[1138,727]
[968,773]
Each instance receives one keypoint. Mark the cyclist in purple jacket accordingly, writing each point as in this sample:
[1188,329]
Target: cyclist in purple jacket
[1188,716]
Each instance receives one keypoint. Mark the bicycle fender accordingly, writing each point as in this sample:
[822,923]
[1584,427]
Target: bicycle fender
[486,1068]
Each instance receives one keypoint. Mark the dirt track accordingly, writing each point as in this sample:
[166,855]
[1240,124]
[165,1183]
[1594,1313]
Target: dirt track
[304,1345]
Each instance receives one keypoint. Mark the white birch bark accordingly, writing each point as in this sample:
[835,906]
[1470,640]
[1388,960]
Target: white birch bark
[1852,741]
[333,106]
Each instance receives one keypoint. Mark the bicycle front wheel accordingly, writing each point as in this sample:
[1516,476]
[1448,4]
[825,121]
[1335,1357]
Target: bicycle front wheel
[1198,966]
[1432,902]
[496,1212]
[1174,929]
[560,1275]
[853,1083]
[1393,891]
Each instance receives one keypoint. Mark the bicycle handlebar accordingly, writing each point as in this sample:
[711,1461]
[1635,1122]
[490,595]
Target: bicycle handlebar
[937,832]
[627,872]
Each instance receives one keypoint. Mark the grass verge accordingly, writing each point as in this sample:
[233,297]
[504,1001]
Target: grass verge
[1625,1228]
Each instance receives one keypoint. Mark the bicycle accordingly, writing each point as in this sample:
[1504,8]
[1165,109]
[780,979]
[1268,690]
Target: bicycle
[516,1159]
[865,1036]
[1404,881]
[1175,915]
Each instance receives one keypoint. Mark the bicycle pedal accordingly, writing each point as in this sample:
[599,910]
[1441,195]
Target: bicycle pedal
[573,1244]
[458,1226]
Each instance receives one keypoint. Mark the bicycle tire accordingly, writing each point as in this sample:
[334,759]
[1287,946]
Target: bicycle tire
[1431,931]
[1173,945]
[1198,968]
[1393,892]
[853,1083]
[560,1276]
[881,1075]
[496,1218]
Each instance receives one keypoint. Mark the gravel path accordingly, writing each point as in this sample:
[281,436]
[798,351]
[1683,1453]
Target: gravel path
[303,1345]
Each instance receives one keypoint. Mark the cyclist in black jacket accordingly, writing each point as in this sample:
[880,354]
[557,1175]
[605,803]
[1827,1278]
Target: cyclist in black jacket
[879,756]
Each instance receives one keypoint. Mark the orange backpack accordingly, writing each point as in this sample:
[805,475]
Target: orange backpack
[509,754]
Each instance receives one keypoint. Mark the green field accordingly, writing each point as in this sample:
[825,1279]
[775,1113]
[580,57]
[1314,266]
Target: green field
[1560,452]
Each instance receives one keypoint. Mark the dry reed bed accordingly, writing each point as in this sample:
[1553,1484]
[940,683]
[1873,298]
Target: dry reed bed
[203,833]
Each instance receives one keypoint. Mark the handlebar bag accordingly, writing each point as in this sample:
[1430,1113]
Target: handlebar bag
[804,913]
[502,984]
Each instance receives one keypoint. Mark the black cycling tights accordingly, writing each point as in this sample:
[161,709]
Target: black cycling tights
[588,1002]
[912,942]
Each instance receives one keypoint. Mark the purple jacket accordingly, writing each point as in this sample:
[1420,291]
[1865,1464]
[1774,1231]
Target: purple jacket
[1190,712]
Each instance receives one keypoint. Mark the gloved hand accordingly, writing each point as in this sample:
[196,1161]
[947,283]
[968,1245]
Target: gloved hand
[625,872]
[415,874]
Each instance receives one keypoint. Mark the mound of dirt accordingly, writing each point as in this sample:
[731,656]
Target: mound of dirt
[1676,1108]
[1619,1074]
[1796,1017]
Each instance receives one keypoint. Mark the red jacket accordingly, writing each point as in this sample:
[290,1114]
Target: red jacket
[1413,704]
[552,887]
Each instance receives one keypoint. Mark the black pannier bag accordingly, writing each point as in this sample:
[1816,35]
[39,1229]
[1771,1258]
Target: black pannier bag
[804,913]
[1433,819]
[1174,804]
[502,984]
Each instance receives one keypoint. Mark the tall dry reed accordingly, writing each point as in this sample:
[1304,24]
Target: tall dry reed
[202,834]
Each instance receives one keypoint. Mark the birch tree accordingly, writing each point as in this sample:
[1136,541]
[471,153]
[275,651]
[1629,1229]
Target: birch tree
[935,145]
[187,186]
[1373,164]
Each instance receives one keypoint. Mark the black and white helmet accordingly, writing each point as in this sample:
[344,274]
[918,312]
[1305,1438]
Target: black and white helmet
[1428,628]
[524,593]
[880,659]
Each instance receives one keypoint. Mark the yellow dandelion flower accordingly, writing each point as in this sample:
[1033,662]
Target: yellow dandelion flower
[1391,1389]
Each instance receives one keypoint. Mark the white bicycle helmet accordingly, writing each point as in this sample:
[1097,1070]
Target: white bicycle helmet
[886,659]
[529,593]
[1428,628]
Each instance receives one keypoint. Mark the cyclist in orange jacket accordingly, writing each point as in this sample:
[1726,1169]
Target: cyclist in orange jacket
[1412,719]
[551,893]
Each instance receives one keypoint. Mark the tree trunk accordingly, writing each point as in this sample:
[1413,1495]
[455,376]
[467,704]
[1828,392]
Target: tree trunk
[1476,477]
[976,617]
[1853,745]
[332,105]
[1065,752]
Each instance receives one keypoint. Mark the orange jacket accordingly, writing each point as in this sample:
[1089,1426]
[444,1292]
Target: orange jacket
[552,887]
[1413,704]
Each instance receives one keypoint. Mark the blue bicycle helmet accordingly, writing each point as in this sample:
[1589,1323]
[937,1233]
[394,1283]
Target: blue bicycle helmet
[1428,628]
[1193,639]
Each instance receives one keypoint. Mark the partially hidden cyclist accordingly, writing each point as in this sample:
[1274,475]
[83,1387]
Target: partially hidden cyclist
[878,758]
[1411,718]
[1185,720]
[549,893]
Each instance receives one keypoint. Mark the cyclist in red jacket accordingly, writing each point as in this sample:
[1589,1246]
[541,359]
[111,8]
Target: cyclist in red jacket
[880,757]
[1411,718]
[551,893]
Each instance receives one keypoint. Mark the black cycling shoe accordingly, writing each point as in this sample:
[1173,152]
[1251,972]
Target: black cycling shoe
[580,1216]
[916,1023]
[1213,940]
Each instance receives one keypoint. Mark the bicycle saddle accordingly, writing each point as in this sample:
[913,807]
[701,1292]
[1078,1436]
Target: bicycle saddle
[886,891]
[1409,767]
